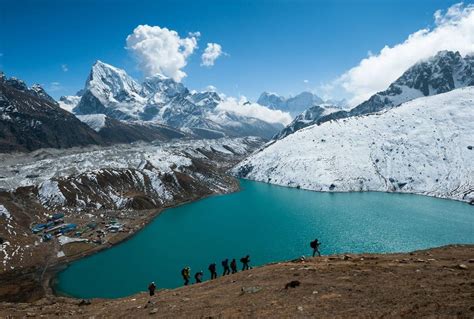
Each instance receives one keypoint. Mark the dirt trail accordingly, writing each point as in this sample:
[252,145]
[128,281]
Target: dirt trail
[436,283]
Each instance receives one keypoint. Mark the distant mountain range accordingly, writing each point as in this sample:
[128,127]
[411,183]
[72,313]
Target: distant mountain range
[295,105]
[158,99]
[114,108]
[442,73]
[31,119]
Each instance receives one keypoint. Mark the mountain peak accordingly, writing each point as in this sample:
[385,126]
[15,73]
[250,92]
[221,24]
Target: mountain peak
[106,79]
[447,53]
[16,83]
[37,89]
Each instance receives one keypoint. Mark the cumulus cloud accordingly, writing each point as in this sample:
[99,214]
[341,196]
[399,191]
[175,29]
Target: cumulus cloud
[211,53]
[306,81]
[160,50]
[243,107]
[453,30]
[64,67]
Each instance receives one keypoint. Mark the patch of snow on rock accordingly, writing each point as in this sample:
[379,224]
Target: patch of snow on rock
[4,212]
[94,121]
[49,193]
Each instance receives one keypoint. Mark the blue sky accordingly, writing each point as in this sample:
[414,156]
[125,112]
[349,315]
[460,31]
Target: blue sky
[270,45]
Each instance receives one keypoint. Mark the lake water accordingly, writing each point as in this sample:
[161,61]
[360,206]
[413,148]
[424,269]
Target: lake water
[270,223]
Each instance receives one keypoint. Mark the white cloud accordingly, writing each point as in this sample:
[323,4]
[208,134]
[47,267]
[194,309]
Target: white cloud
[306,81]
[160,50]
[243,107]
[211,53]
[55,86]
[454,30]
[210,88]
[64,67]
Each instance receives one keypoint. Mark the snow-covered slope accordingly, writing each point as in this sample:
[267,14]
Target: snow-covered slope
[69,102]
[425,146]
[441,73]
[110,91]
[94,121]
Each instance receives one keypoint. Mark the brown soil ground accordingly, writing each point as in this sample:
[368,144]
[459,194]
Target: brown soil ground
[432,283]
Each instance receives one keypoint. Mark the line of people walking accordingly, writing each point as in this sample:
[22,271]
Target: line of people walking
[228,268]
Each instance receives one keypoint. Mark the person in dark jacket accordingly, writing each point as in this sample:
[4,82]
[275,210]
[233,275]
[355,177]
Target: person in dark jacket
[233,266]
[198,276]
[212,269]
[245,262]
[152,288]
[225,265]
[186,273]
[315,245]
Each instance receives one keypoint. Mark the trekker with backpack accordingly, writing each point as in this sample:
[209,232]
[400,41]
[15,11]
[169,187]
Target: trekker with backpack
[152,288]
[212,269]
[315,245]
[233,266]
[245,262]
[198,276]
[225,265]
[186,273]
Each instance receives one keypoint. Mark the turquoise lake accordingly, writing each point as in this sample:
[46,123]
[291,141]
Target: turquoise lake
[270,223]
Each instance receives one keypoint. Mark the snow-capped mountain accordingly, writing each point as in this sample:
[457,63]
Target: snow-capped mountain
[18,84]
[31,119]
[294,105]
[423,146]
[441,73]
[110,91]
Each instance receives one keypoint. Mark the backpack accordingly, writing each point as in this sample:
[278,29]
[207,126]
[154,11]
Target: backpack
[313,244]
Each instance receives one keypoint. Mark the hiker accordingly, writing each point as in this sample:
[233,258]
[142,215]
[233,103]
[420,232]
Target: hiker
[225,265]
[152,288]
[212,269]
[186,273]
[315,245]
[233,266]
[198,276]
[245,262]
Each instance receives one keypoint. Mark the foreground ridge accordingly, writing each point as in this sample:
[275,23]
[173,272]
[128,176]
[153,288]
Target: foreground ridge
[437,281]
